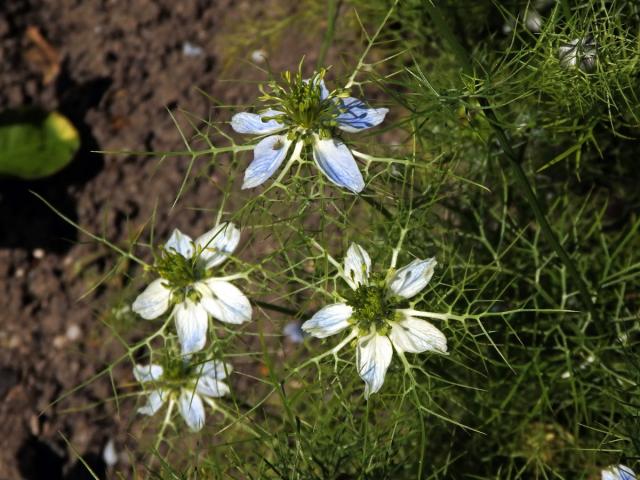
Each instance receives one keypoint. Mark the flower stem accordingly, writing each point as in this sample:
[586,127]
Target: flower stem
[520,176]
[333,8]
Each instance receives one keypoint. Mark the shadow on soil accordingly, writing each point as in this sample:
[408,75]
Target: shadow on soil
[25,221]
[39,460]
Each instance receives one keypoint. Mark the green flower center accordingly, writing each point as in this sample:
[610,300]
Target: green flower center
[180,273]
[302,105]
[372,306]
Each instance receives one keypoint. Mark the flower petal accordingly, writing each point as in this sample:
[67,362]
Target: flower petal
[335,160]
[218,243]
[191,409]
[180,243]
[373,357]
[155,400]
[356,116]
[216,369]
[328,320]
[209,387]
[147,373]
[252,123]
[191,325]
[224,301]
[416,336]
[356,266]
[618,472]
[324,91]
[412,278]
[153,301]
[267,157]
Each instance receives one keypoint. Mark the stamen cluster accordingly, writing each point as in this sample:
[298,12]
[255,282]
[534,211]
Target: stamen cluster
[372,306]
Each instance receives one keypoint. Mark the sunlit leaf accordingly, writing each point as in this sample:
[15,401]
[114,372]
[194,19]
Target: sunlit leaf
[35,144]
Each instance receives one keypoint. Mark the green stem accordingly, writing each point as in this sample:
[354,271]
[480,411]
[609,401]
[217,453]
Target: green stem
[333,8]
[520,176]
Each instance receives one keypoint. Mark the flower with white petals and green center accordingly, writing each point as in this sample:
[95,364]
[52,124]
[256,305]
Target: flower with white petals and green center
[303,112]
[618,472]
[184,384]
[187,283]
[377,314]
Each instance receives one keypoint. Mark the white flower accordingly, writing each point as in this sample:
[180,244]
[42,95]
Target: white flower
[580,53]
[618,472]
[197,383]
[371,313]
[185,280]
[307,114]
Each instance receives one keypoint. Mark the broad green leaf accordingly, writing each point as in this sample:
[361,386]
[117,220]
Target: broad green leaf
[34,144]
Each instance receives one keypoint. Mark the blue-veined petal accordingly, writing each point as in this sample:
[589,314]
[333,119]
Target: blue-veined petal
[216,369]
[218,243]
[267,157]
[618,472]
[253,123]
[328,320]
[210,387]
[324,91]
[191,409]
[416,336]
[191,326]
[155,399]
[412,278]
[224,301]
[357,264]
[153,301]
[147,373]
[335,160]
[356,116]
[373,356]
[179,243]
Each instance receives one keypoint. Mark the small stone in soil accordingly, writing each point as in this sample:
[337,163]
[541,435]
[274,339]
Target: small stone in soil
[73,332]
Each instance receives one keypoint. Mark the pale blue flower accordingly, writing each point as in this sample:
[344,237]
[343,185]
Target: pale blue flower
[194,291]
[379,327]
[307,115]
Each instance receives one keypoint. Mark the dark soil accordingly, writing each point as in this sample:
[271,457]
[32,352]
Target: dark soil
[115,67]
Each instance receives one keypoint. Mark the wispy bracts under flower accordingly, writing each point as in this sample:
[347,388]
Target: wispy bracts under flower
[375,313]
[303,113]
